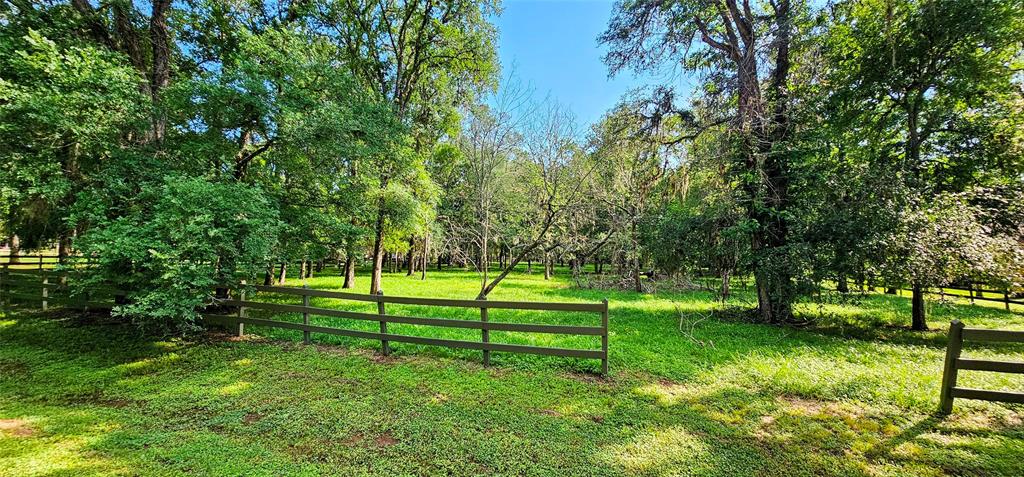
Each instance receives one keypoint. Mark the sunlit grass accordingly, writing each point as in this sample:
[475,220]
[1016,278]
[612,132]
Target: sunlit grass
[853,394]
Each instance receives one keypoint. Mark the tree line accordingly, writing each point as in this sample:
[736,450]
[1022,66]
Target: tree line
[190,144]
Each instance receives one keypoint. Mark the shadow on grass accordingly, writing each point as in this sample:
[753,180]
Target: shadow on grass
[105,399]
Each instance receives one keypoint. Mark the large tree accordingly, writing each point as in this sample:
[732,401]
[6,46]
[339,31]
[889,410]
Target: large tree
[742,48]
[423,57]
[931,87]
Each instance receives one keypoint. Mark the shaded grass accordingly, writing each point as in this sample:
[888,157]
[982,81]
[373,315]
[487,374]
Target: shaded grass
[852,395]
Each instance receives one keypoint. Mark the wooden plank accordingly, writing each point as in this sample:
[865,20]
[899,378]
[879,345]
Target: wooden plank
[604,338]
[986,395]
[511,348]
[411,320]
[404,300]
[978,334]
[62,300]
[954,344]
[1016,367]
[385,346]
[485,334]
[508,305]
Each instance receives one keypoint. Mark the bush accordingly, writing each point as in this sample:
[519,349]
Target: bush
[169,257]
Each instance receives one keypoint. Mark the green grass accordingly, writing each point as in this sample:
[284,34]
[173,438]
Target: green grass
[852,395]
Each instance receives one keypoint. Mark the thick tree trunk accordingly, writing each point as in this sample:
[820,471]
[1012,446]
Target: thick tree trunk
[160,41]
[547,267]
[268,276]
[14,246]
[63,248]
[350,271]
[917,311]
[282,274]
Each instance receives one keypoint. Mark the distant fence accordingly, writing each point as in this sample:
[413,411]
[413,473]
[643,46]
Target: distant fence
[36,261]
[973,293]
[239,320]
[954,363]
[48,287]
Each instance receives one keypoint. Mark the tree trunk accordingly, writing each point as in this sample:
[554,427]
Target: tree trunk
[378,254]
[350,271]
[160,40]
[918,320]
[425,256]
[63,248]
[268,276]
[890,291]
[547,267]
[841,284]
[282,274]
[725,286]
[409,258]
[638,285]
[14,246]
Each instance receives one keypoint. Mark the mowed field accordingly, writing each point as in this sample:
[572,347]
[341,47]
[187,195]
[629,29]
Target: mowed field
[853,394]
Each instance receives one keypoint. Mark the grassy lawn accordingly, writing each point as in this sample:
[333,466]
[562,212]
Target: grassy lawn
[852,395]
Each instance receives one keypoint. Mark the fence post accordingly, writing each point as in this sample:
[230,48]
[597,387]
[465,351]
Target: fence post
[305,315]
[40,261]
[385,347]
[240,330]
[485,334]
[949,371]
[1006,299]
[970,292]
[604,338]
[46,291]
[3,276]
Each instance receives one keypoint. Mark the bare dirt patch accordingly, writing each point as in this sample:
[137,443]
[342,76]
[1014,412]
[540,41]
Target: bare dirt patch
[16,428]
[385,440]
[251,418]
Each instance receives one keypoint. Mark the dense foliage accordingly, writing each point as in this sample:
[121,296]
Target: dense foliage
[188,145]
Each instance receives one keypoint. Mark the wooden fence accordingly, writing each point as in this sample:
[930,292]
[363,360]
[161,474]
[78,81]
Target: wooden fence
[240,319]
[973,293]
[954,363]
[27,262]
[48,287]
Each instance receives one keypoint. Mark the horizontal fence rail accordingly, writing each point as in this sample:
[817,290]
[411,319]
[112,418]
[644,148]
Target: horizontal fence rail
[954,363]
[48,287]
[241,318]
[996,296]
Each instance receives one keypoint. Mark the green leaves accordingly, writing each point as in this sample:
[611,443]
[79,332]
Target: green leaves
[198,234]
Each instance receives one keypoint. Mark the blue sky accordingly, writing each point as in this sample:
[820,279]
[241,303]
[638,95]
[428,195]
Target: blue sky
[553,45]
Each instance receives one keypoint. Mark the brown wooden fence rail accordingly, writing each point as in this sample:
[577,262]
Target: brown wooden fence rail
[239,320]
[23,262]
[48,287]
[954,363]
